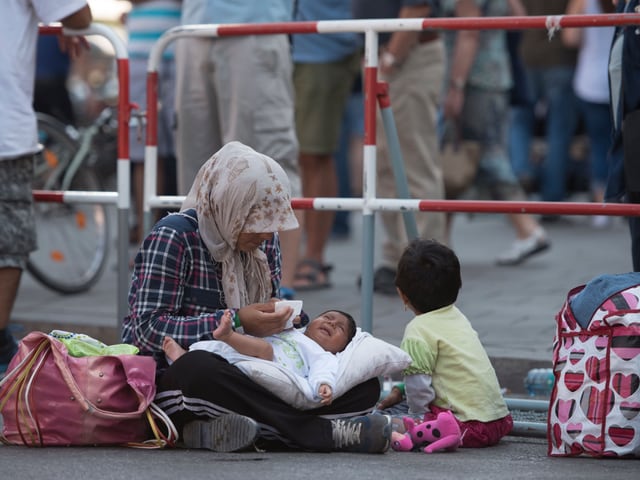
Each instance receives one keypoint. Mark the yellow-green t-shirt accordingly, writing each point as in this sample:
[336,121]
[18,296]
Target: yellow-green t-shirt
[443,344]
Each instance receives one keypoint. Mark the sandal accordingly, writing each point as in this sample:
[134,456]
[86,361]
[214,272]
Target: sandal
[315,276]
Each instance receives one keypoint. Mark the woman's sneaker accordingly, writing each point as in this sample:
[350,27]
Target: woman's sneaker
[520,250]
[227,433]
[366,434]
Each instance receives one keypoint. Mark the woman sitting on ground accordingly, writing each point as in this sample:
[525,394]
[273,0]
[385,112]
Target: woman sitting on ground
[221,252]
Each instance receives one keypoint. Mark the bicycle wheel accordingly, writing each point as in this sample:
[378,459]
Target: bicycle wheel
[72,238]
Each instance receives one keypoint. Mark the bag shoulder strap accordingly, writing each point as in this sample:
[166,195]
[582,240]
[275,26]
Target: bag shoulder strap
[183,222]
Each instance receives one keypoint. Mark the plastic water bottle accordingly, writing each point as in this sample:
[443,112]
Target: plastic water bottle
[387,385]
[539,382]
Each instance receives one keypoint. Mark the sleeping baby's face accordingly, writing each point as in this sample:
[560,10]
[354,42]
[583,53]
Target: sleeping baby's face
[330,330]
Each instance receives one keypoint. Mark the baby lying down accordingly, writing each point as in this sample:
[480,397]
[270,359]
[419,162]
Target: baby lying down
[310,353]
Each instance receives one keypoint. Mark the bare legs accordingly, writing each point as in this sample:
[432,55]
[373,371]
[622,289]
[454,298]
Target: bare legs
[524,225]
[318,173]
[289,246]
[9,283]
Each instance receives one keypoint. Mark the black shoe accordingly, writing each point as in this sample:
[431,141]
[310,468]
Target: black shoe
[366,434]
[227,433]
[384,281]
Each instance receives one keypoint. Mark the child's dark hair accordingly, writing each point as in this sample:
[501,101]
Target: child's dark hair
[429,275]
[351,332]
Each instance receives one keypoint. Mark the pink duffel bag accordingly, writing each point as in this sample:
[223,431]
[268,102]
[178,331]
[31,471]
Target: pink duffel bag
[48,397]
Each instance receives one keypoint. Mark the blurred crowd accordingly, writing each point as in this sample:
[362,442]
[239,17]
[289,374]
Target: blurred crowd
[536,101]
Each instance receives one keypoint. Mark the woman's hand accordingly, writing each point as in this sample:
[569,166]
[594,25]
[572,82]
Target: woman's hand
[74,46]
[262,319]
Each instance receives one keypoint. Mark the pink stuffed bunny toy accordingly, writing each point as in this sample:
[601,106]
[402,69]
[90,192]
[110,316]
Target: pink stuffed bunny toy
[443,433]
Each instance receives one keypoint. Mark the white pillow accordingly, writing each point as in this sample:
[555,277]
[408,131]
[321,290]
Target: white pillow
[365,357]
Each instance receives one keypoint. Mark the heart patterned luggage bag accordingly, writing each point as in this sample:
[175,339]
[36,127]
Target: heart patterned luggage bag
[594,408]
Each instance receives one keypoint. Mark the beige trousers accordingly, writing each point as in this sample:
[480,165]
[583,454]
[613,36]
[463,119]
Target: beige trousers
[235,88]
[415,90]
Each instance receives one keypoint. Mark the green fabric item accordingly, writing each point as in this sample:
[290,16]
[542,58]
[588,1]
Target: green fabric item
[400,386]
[81,345]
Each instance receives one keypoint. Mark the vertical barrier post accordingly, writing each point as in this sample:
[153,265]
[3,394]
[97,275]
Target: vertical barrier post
[123,173]
[395,154]
[151,147]
[369,176]
[124,188]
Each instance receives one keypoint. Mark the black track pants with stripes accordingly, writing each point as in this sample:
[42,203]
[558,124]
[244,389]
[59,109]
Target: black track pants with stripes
[201,384]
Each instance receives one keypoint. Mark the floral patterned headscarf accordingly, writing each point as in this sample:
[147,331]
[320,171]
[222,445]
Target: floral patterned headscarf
[241,190]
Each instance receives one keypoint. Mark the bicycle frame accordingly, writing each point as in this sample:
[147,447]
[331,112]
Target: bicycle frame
[84,150]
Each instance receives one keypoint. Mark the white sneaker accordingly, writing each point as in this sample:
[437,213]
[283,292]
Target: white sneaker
[364,434]
[600,221]
[522,249]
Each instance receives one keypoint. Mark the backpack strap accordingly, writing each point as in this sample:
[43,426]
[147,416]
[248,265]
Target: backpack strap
[183,222]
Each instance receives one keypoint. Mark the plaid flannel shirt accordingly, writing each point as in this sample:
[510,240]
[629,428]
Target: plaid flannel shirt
[176,286]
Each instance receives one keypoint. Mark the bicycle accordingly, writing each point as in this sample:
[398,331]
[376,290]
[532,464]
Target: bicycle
[73,238]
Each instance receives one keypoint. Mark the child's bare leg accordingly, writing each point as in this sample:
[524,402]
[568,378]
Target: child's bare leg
[225,328]
[172,349]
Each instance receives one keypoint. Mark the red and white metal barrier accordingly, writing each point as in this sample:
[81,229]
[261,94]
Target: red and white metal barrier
[122,197]
[369,204]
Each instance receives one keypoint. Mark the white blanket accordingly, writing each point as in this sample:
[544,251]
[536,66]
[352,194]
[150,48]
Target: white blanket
[365,357]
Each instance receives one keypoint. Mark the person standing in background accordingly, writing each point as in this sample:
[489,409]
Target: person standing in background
[591,86]
[477,97]
[413,64]
[349,157]
[146,22]
[19,138]
[325,68]
[549,67]
[50,94]
[237,88]
[624,77]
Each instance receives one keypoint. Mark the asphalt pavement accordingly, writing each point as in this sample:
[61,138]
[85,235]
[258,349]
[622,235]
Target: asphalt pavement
[513,458]
[512,308]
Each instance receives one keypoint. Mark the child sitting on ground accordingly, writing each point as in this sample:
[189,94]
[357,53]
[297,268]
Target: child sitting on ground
[450,369]
[310,354]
